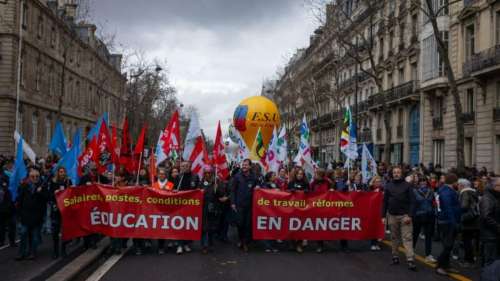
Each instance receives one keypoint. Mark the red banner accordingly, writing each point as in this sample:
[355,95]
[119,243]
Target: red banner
[317,216]
[130,212]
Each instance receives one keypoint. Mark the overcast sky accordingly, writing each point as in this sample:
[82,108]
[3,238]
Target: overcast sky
[218,51]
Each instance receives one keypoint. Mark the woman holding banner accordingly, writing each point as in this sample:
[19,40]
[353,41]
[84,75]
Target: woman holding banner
[298,183]
[212,209]
[58,183]
[321,184]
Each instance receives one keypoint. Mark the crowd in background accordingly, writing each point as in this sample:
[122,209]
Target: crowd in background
[420,203]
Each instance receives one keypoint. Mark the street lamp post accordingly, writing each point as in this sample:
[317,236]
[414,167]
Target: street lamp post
[19,63]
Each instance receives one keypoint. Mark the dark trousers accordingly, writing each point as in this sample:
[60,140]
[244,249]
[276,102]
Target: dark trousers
[468,238]
[56,241]
[8,224]
[490,252]
[245,224]
[427,226]
[448,234]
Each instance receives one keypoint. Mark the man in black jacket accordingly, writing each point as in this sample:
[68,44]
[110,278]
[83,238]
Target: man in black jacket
[31,207]
[489,208]
[398,206]
[242,187]
[187,181]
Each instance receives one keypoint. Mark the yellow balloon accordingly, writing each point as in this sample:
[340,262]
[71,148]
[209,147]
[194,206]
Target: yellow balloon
[254,113]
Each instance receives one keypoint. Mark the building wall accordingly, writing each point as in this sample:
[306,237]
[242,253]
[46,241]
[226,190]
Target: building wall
[93,81]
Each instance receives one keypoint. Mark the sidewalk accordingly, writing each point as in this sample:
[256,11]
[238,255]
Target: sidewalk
[38,269]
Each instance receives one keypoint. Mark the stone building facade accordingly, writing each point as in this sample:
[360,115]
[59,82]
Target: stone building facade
[320,81]
[63,65]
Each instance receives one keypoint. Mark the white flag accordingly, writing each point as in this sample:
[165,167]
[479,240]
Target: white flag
[26,147]
[243,151]
[160,154]
[304,156]
[368,165]
[193,133]
[272,153]
[282,147]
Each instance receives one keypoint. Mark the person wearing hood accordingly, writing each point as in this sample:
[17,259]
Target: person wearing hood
[212,208]
[489,209]
[469,205]
[425,216]
[448,216]
[398,206]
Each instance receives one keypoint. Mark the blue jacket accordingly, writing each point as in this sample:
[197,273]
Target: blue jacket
[242,188]
[449,206]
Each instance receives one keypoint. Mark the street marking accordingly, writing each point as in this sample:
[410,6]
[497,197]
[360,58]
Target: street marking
[421,259]
[8,245]
[106,266]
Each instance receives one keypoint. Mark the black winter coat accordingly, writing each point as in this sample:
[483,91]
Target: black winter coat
[212,207]
[489,209]
[31,204]
[187,181]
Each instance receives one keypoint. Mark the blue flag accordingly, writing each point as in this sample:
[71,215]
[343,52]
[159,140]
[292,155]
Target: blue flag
[95,130]
[70,159]
[58,143]
[19,172]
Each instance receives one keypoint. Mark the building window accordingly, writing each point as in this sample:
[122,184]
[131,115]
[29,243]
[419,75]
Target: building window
[442,67]
[48,131]
[414,72]
[498,95]
[38,76]
[432,64]
[22,69]
[469,100]
[53,37]
[401,75]
[438,152]
[469,41]
[497,27]
[40,26]
[414,25]
[25,16]
[34,129]
[468,150]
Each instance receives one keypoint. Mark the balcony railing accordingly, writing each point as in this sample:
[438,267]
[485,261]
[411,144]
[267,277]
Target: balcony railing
[482,60]
[496,114]
[468,117]
[468,3]
[399,131]
[437,123]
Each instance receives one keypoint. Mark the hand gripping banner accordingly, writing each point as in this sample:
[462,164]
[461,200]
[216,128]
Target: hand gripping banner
[317,216]
[130,212]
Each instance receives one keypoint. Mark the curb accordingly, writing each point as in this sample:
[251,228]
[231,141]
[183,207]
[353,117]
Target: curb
[454,276]
[79,264]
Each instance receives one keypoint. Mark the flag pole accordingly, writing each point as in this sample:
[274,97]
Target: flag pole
[138,169]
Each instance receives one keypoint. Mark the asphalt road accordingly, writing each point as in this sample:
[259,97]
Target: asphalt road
[229,263]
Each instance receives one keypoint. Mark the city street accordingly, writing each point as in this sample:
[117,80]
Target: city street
[229,263]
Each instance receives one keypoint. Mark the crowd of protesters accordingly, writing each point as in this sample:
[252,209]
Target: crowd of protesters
[420,203]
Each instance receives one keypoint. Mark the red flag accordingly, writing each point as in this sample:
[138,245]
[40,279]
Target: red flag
[89,155]
[115,150]
[125,153]
[139,146]
[199,157]
[104,148]
[171,137]
[219,156]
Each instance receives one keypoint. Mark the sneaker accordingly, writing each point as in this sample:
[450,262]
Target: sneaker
[441,271]
[378,248]
[430,259]
[454,257]
[276,250]
[374,248]
[299,249]
[179,250]
[304,243]
[412,266]
[268,250]
[138,252]
[422,236]
[187,249]
[319,250]
[161,252]
[395,260]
